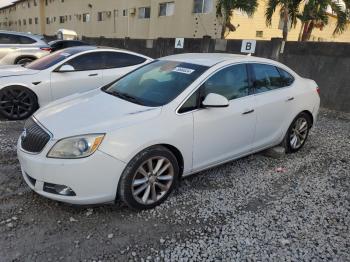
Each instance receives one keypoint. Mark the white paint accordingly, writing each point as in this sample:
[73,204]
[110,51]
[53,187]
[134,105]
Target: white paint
[205,137]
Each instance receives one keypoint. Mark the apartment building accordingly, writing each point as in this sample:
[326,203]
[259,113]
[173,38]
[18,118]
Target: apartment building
[145,19]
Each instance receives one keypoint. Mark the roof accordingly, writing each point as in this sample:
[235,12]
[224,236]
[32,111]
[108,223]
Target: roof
[211,59]
[35,36]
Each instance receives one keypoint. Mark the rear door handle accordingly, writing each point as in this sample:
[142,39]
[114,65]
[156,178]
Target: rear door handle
[290,99]
[93,75]
[248,112]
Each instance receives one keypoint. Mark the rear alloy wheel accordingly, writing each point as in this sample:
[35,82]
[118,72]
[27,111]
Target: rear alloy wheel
[149,178]
[297,133]
[17,103]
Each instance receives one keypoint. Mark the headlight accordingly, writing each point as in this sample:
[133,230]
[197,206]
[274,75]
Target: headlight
[76,147]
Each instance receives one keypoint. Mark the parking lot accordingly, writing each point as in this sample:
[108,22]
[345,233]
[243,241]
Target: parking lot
[292,208]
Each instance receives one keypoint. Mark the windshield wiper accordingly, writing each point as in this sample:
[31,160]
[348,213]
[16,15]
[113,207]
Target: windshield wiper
[126,97]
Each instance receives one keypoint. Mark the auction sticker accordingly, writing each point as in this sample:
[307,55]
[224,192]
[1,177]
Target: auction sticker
[183,70]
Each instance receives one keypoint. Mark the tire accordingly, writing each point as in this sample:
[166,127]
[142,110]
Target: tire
[24,61]
[139,187]
[297,133]
[17,102]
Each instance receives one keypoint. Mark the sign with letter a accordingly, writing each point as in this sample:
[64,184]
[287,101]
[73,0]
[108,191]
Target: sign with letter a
[179,42]
[248,46]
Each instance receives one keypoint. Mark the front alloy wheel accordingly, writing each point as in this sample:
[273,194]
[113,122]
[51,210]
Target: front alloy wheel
[17,103]
[152,180]
[149,178]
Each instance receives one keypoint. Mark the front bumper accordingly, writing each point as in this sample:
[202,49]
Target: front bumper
[93,179]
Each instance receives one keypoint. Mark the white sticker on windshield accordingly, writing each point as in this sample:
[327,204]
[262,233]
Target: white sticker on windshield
[183,70]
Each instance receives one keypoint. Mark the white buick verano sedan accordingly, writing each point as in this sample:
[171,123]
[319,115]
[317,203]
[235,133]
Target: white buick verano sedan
[73,70]
[135,138]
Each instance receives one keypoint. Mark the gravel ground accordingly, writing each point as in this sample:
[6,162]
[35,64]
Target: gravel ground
[295,208]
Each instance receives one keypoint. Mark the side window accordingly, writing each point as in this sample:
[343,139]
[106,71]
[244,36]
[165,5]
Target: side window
[231,82]
[117,60]
[26,40]
[85,62]
[267,78]
[190,104]
[9,39]
[287,79]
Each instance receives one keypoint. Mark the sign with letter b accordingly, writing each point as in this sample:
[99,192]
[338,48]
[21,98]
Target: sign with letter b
[248,46]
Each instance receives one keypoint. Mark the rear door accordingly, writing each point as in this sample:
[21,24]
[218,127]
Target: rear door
[118,64]
[274,104]
[87,76]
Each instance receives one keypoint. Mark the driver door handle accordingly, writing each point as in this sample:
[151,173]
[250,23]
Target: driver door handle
[93,74]
[290,99]
[248,112]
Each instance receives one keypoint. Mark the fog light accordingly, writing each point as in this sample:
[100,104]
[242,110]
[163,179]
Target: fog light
[64,190]
[58,189]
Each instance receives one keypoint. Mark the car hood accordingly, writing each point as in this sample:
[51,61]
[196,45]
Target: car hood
[15,70]
[91,112]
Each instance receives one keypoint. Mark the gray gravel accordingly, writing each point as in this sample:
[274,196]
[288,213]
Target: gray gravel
[294,208]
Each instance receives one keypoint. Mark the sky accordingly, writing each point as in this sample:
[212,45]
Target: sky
[5,2]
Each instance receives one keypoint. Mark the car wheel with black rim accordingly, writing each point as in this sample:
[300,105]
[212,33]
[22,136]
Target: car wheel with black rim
[17,102]
[298,133]
[149,178]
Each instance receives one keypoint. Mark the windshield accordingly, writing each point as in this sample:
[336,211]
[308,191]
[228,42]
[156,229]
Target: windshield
[156,84]
[49,60]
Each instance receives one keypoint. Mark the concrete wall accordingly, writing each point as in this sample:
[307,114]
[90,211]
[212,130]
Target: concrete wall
[181,23]
[326,63]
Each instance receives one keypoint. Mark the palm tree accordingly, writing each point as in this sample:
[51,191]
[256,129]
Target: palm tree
[315,15]
[224,9]
[289,10]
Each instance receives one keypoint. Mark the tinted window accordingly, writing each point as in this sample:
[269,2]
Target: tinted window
[117,60]
[267,78]
[26,40]
[190,104]
[231,82]
[48,61]
[9,39]
[85,62]
[15,39]
[156,84]
[287,78]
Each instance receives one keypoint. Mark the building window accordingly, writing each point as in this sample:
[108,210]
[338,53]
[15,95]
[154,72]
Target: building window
[35,3]
[47,20]
[125,12]
[202,6]
[24,22]
[259,33]
[36,20]
[102,16]
[30,21]
[166,9]
[86,17]
[144,12]
[62,19]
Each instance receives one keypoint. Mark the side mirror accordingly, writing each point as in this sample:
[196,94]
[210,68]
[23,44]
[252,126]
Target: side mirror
[215,100]
[66,68]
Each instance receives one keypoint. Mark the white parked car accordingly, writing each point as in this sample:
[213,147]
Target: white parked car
[73,70]
[135,138]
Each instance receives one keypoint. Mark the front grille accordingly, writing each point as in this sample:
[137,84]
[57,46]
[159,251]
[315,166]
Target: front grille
[34,138]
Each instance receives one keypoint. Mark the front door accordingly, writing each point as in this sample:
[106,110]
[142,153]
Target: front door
[221,134]
[87,75]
